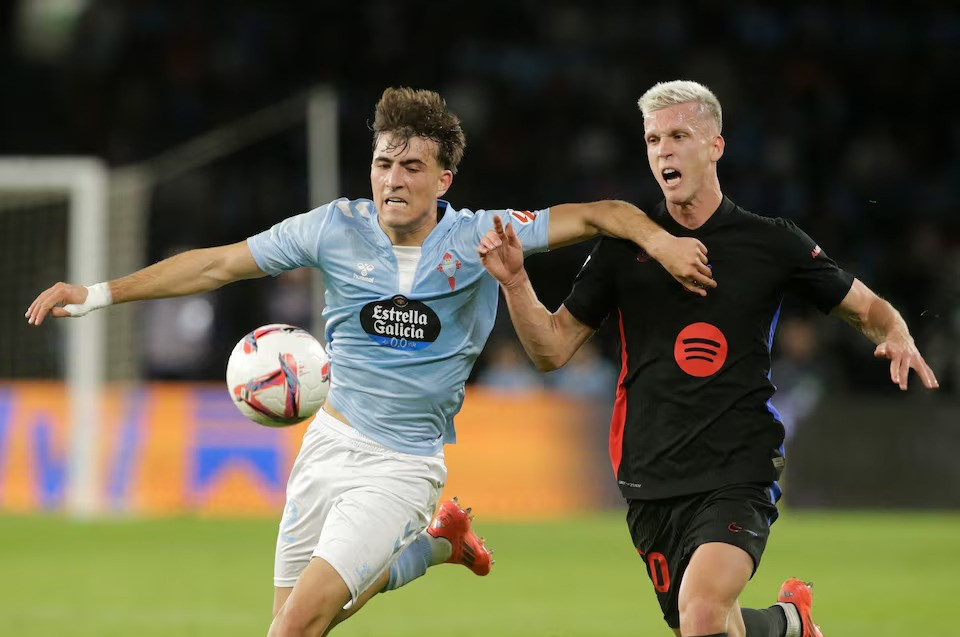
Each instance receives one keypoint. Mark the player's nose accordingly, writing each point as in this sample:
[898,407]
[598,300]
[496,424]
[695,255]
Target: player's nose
[394,177]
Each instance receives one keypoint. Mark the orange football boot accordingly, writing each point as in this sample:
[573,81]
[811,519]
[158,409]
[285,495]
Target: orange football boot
[800,594]
[453,524]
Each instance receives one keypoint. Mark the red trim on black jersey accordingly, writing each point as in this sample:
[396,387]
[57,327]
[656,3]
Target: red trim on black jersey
[619,417]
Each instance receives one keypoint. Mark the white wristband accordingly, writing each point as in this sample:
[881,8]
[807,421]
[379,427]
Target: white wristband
[98,296]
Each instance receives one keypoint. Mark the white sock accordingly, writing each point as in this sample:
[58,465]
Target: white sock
[441,547]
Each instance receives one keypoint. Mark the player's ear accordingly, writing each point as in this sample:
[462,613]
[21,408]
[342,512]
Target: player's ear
[443,184]
[716,148]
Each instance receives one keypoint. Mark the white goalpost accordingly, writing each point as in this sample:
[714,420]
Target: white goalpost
[100,215]
[83,182]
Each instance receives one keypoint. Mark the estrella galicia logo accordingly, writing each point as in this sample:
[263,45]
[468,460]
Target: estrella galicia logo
[400,323]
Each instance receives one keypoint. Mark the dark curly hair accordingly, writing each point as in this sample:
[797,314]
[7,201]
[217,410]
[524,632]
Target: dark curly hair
[406,112]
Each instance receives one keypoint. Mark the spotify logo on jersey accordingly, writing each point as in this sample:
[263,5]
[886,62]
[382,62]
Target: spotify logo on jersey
[400,323]
[700,350]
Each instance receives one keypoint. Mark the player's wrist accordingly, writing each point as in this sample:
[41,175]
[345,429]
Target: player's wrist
[657,243]
[516,281]
[98,296]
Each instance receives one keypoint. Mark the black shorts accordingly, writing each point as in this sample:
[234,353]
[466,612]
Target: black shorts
[666,532]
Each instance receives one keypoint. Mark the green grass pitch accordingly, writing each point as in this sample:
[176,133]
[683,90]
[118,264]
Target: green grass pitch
[875,575]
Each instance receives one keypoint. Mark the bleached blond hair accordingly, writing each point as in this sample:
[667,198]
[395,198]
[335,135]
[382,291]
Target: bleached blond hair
[664,94]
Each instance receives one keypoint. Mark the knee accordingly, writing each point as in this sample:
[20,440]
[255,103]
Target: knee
[294,621]
[703,615]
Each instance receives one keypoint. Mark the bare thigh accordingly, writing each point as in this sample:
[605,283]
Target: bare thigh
[712,582]
[315,600]
[280,595]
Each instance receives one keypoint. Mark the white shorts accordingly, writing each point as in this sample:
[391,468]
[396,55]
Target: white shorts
[354,503]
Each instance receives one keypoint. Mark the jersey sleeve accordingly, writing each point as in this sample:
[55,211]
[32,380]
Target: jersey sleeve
[292,243]
[812,274]
[593,296]
[530,225]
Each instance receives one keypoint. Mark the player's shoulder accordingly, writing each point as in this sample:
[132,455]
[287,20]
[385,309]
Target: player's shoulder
[463,222]
[777,226]
[507,215]
[473,223]
[614,250]
[462,215]
[344,209]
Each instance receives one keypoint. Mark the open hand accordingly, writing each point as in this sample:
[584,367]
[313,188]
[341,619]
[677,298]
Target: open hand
[905,356]
[52,300]
[501,252]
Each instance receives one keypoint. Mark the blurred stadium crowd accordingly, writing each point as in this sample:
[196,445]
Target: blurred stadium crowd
[836,116]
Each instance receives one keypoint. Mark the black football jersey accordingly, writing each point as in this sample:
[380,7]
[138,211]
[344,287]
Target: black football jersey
[693,409]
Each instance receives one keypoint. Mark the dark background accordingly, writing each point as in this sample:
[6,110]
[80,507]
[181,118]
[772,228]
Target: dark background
[836,116]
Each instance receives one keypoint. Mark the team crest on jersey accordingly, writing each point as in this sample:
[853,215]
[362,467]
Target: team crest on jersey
[449,266]
[815,252]
[642,255]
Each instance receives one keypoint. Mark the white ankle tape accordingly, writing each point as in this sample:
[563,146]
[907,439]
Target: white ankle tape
[98,295]
[794,626]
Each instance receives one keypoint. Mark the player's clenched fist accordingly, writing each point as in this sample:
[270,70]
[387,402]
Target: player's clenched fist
[685,258]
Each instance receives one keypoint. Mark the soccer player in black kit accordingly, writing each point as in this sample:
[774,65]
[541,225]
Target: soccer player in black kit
[695,443]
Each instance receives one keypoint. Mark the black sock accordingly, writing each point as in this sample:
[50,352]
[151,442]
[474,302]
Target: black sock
[712,635]
[766,622]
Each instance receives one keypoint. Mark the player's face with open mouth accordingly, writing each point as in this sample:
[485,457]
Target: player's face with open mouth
[406,181]
[681,146]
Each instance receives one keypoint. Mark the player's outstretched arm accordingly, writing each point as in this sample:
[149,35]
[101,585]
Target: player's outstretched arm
[881,323]
[190,272]
[685,258]
[550,339]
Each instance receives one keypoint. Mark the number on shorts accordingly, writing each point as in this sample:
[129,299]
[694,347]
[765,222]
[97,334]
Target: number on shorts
[659,572]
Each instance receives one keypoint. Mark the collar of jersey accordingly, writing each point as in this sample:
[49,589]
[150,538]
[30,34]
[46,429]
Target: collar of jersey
[438,231]
[726,206]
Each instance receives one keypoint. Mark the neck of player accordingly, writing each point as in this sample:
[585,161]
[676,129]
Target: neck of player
[694,212]
[413,233]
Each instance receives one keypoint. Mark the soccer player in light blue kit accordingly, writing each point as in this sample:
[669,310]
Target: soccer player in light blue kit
[409,306]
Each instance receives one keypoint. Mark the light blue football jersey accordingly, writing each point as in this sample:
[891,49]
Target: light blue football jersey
[399,362]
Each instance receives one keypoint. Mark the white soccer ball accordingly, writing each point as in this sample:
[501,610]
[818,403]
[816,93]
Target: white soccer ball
[278,375]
